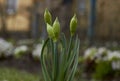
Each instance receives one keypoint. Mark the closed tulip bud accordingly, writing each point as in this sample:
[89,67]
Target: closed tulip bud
[73,25]
[50,31]
[56,28]
[48,17]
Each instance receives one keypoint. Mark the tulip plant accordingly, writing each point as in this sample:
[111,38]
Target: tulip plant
[64,54]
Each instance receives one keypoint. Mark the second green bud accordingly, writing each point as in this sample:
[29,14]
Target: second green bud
[54,31]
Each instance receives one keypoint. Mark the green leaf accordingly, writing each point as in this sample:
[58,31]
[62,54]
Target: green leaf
[73,70]
[62,58]
[43,65]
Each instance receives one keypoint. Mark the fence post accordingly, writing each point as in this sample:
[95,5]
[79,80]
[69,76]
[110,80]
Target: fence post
[35,22]
[3,18]
[92,18]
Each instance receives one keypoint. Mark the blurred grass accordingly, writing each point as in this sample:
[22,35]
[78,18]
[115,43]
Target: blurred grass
[8,74]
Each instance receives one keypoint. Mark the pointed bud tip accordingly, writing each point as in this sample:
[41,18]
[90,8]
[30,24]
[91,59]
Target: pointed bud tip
[48,25]
[75,17]
[46,10]
[47,16]
[57,19]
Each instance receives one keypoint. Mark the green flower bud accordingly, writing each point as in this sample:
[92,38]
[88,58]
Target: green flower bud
[48,17]
[50,31]
[56,28]
[73,25]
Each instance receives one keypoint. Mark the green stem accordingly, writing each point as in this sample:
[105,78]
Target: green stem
[69,48]
[52,49]
[56,60]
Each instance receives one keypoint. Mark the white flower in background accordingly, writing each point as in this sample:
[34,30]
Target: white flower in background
[20,49]
[6,48]
[114,54]
[101,50]
[37,51]
[116,65]
[90,53]
[101,54]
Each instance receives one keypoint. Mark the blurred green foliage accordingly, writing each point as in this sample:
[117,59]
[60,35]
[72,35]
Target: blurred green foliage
[103,70]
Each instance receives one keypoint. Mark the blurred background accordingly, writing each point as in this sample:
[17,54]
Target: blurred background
[22,31]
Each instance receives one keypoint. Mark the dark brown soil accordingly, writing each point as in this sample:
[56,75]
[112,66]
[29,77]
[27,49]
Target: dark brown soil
[24,63]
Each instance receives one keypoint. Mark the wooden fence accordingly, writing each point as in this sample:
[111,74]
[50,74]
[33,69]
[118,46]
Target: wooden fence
[107,22]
